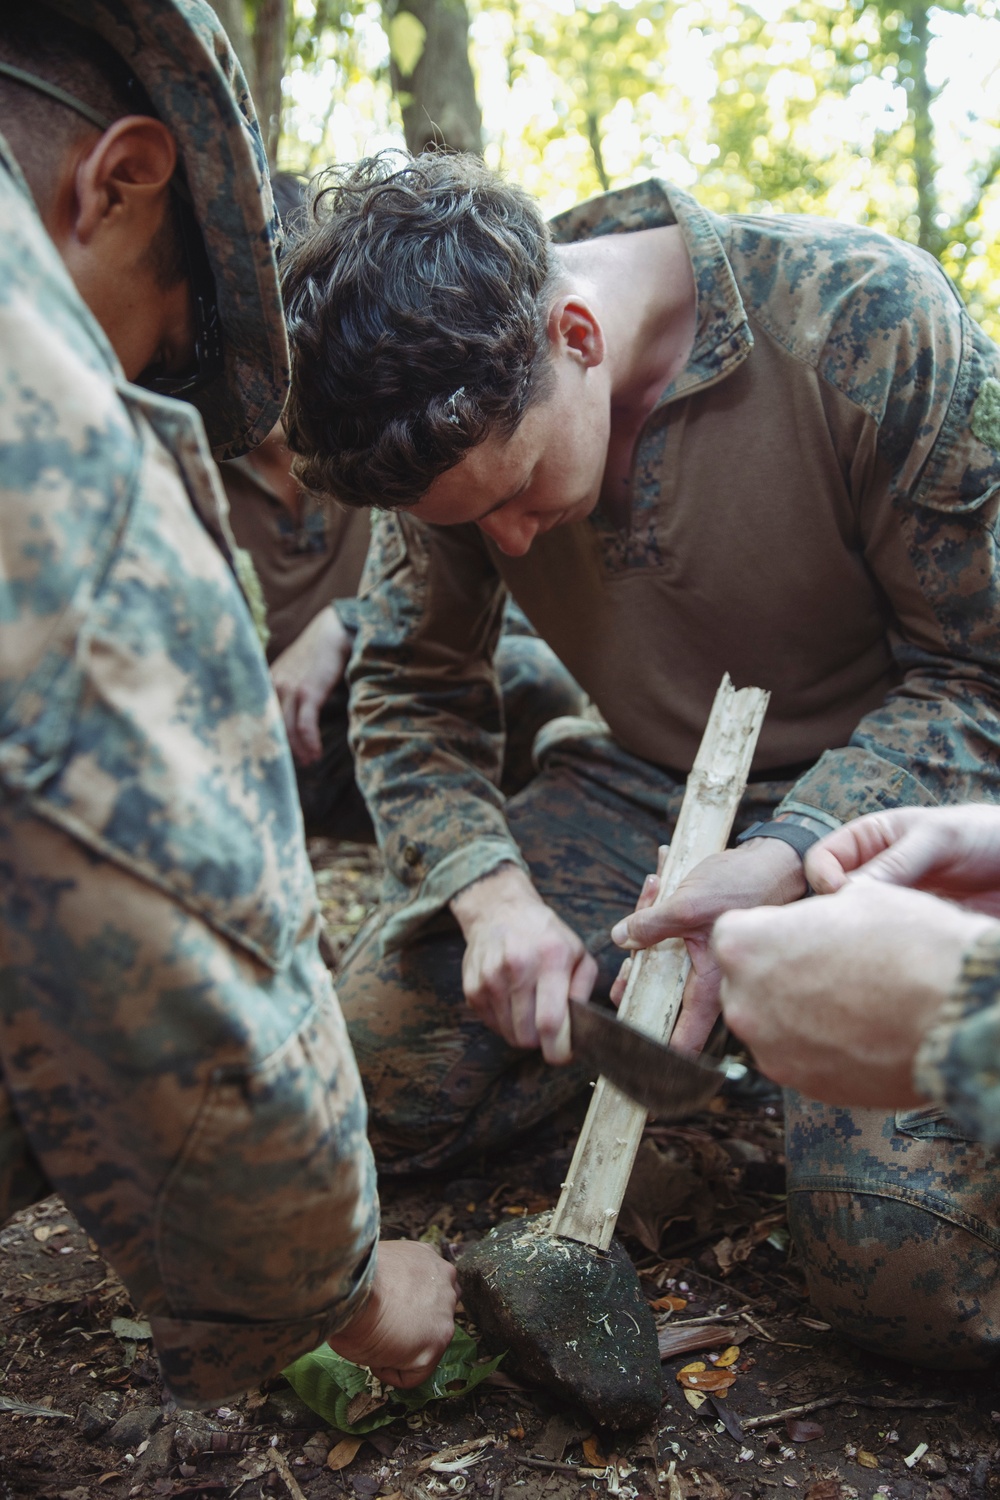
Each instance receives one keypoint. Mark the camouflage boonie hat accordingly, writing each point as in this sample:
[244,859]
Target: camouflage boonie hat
[182,57]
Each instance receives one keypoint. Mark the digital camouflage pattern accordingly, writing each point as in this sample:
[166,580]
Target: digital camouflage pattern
[815,504]
[181,55]
[814,508]
[172,1057]
[897,1224]
[896,1220]
[440,1085]
[959,1062]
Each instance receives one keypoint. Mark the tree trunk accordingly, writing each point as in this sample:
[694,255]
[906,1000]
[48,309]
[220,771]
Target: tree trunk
[230,13]
[929,236]
[432,75]
[269,44]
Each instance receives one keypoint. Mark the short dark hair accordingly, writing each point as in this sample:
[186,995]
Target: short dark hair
[417,307]
[41,130]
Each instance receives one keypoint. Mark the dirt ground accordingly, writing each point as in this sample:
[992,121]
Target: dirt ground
[714,1257]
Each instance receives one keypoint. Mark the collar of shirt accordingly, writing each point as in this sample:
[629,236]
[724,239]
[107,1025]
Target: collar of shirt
[722,337]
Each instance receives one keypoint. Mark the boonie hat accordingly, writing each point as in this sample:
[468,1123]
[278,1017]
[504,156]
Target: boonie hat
[183,59]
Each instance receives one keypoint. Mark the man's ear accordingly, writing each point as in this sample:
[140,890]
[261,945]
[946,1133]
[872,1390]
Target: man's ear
[573,328]
[122,179]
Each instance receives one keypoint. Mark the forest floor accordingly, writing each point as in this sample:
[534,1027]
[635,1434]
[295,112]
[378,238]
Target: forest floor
[705,1224]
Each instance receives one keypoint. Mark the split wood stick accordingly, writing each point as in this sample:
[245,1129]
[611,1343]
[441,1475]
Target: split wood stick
[592,1194]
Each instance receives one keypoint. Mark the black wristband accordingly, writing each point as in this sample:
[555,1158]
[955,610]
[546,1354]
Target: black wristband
[794,834]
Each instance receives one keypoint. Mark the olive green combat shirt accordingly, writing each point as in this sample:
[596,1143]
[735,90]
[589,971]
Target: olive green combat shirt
[814,509]
[172,1057]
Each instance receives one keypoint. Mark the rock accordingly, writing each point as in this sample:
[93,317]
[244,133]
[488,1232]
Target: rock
[193,1434]
[95,1417]
[158,1456]
[134,1427]
[934,1465]
[573,1320]
[286,1409]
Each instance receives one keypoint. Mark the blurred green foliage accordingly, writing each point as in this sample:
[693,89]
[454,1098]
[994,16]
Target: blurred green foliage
[875,112]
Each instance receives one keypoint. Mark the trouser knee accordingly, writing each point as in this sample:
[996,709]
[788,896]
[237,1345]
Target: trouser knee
[895,1219]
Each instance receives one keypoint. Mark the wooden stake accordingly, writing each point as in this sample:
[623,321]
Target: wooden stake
[602,1163]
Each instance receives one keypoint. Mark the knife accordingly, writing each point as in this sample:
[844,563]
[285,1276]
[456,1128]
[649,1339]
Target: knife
[670,1084]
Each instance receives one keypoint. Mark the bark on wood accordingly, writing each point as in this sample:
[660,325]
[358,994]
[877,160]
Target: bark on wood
[592,1196]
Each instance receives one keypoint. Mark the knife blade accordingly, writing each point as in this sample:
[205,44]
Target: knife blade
[670,1084]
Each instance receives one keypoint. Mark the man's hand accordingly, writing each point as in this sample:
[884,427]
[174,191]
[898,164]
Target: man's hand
[949,851]
[521,962]
[409,1318]
[304,676]
[834,996]
[762,872]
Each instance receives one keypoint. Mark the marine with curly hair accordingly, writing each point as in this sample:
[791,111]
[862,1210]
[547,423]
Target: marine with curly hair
[687,444]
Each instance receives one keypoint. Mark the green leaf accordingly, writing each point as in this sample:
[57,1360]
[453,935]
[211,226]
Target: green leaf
[329,1384]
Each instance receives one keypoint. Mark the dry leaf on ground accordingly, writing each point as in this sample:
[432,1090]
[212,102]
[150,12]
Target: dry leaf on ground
[697,1377]
[343,1453]
[800,1430]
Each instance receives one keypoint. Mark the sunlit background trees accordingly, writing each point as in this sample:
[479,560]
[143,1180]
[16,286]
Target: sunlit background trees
[875,112]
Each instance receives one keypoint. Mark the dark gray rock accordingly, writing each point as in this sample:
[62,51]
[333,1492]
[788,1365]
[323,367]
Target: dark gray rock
[157,1457]
[95,1417]
[133,1427]
[193,1434]
[286,1409]
[573,1320]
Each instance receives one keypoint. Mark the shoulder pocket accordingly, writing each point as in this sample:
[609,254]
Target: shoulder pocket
[963,472]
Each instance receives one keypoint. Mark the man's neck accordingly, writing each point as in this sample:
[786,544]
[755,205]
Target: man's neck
[642,288]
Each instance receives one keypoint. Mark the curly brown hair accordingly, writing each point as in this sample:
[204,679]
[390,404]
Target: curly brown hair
[417,306]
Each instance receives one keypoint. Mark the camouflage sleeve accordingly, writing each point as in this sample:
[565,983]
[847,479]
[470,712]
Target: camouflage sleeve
[169,1040]
[426,714]
[958,1065]
[927,497]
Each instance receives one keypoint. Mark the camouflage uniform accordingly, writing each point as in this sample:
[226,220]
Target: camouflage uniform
[313,561]
[814,508]
[173,1058]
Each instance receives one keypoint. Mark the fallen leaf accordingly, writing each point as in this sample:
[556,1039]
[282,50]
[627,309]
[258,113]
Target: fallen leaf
[315,1449]
[343,1453]
[831,1489]
[111,1474]
[363,1405]
[802,1431]
[728,1357]
[136,1330]
[728,1418]
[696,1399]
[697,1377]
[592,1453]
[31,1409]
[669,1304]
[867,1460]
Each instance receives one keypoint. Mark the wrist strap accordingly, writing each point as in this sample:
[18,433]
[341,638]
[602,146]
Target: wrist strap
[794,834]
